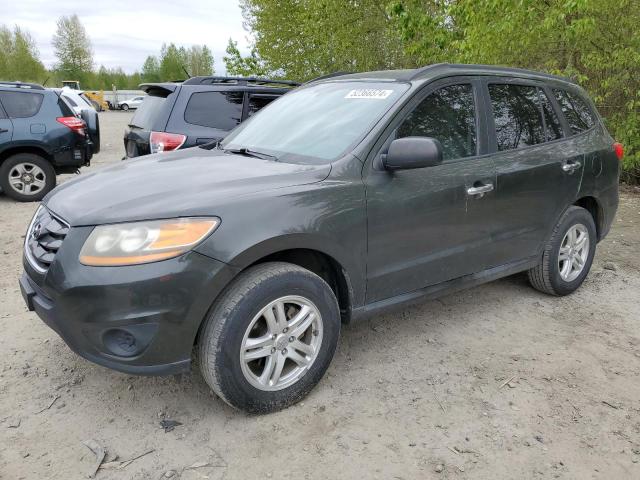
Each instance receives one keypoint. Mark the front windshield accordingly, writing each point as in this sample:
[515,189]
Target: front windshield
[316,124]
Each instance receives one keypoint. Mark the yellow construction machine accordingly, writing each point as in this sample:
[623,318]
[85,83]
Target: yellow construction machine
[95,97]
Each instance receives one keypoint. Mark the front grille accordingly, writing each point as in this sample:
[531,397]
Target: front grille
[44,239]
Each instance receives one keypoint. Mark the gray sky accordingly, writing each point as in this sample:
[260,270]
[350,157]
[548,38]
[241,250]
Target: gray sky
[124,32]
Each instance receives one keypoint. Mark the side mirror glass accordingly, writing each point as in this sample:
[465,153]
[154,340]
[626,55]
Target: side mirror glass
[413,152]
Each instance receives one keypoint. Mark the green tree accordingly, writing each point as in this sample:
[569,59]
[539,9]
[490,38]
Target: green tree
[72,48]
[173,62]
[151,69]
[200,61]
[19,58]
[306,38]
[251,65]
[596,42]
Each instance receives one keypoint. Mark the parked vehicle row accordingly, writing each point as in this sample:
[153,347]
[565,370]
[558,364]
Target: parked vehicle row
[41,136]
[346,197]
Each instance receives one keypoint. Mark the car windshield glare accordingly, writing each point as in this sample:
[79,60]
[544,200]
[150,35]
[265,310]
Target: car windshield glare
[316,124]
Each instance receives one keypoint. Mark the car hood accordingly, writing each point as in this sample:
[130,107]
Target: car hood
[188,182]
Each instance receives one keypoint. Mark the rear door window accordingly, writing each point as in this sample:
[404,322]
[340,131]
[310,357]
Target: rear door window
[576,111]
[221,110]
[258,102]
[448,115]
[21,104]
[517,116]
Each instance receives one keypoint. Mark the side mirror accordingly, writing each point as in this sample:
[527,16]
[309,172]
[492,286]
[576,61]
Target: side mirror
[413,152]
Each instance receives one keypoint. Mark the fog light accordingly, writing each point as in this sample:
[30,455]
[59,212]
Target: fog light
[121,342]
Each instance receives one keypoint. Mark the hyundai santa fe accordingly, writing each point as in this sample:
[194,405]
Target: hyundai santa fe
[346,197]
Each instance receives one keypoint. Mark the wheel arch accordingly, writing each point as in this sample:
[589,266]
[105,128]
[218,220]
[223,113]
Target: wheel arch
[33,149]
[323,265]
[316,261]
[591,204]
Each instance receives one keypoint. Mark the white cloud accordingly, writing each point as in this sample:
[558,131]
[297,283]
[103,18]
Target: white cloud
[124,32]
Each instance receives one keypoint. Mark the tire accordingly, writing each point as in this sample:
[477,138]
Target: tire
[548,276]
[36,172]
[228,326]
[93,128]
[124,107]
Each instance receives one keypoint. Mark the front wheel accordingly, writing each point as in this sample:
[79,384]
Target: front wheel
[568,254]
[270,337]
[125,107]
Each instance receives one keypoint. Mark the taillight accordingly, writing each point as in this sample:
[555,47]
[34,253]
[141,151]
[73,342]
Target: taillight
[74,123]
[619,149]
[165,142]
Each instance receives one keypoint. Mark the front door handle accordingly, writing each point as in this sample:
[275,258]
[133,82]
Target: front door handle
[571,167]
[480,189]
[3,130]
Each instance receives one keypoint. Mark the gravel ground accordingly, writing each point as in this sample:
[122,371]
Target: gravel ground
[495,382]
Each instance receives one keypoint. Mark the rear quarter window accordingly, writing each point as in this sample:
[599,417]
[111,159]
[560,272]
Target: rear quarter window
[259,101]
[221,110]
[21,104]
[65,108]
[579,115]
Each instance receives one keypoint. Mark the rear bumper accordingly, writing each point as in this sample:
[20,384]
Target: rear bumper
[73,156]
[139,320]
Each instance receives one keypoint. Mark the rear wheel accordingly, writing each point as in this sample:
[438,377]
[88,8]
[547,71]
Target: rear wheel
[27,177]
[270,337]
[568,254]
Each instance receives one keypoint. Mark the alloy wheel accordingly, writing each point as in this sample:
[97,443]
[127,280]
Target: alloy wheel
[281,343]
[574,252]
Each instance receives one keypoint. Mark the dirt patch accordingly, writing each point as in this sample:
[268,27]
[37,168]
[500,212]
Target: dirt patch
[495,382]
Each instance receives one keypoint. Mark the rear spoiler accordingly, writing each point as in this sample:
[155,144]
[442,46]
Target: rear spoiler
[158,89]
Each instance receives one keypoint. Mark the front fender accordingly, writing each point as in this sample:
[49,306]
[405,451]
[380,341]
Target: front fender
[328,217]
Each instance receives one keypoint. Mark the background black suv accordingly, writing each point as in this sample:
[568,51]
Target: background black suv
[198,111]
[40,136]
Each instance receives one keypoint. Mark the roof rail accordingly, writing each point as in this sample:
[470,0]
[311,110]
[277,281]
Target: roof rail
[328,75]
[210,80]
[494,69]
[33,86]
[418,72]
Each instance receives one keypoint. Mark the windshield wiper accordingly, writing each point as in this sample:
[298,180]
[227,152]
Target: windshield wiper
[251,153]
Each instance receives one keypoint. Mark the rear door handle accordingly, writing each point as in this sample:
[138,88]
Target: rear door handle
[480,189]
[570,166]
[3,130]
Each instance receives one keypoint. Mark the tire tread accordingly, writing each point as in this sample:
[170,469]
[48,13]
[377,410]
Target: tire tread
[225,304]
[540,275]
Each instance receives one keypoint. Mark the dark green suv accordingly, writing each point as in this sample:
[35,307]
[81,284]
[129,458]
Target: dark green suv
[346,197]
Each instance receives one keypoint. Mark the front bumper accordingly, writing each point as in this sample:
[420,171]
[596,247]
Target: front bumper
[139,319]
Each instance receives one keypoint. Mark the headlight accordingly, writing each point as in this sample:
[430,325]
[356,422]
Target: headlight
[144,242]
